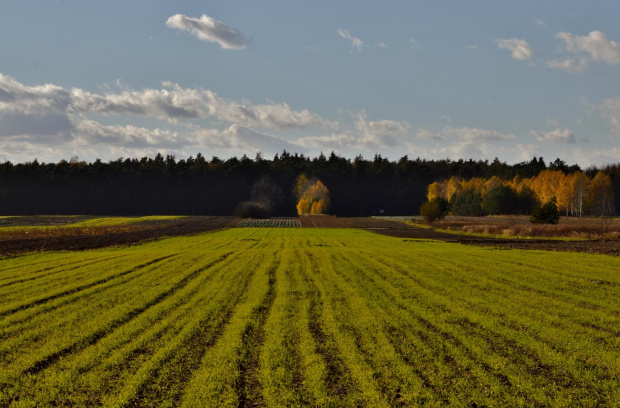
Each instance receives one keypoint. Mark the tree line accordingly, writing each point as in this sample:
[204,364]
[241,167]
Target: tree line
[197,185]
[574,194]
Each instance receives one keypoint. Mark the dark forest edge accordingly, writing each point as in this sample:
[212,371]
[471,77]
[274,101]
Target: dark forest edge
[198,186]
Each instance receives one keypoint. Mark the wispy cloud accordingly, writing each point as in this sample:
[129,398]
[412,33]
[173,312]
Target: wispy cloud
[571,65]
[368,135]
[611,109]
[519,48]
[208,29]
[356,43]
[555,136]
[466,134]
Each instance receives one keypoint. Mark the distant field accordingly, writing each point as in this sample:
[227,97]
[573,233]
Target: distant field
[309,317]
[520,226]
[38,223]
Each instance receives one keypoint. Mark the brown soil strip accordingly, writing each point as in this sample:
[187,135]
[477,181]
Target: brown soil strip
[130,235]
[609,247]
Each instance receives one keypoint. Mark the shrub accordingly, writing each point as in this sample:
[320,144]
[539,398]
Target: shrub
[434,209]
[251,209]
[546,214]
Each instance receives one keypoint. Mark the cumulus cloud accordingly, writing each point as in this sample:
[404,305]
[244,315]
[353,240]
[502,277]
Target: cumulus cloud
[17,97]
[208,29]
[596,45]
[555,136]
[171,103]
[356,43]
[90,132]
[586,48]
[519,48]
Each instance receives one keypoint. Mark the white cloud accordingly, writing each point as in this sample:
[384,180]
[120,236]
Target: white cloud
[369,135]
[472,47]
[556,136]
[171,103]
[596,45]
[241,138]
[382,45]
[518,48]
[428,135]
[355,42]
[611,109]
[586,48]
[466,134]
[16,97]
[541,23]
[208,29]
[596,157]
[381,133]
[336,142]
[570,65]
[89,132]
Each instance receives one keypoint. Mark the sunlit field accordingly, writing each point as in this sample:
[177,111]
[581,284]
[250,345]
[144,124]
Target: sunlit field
[309,317]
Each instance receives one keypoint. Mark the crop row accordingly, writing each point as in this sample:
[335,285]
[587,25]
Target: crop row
[298,317]
[270,223]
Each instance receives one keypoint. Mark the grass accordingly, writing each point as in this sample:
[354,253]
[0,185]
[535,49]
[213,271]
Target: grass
[309,317]
[572,228]
[93,226]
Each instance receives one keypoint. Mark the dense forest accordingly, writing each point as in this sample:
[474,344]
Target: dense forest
[196,185]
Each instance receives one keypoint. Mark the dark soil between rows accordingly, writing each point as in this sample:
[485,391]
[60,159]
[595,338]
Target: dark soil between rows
[129,235]
[607,247]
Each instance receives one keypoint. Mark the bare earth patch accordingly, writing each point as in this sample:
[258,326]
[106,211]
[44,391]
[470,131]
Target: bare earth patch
[607,247]
[78,239]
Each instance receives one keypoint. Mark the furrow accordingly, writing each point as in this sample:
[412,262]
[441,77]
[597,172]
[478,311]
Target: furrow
[81,287]
[98,334]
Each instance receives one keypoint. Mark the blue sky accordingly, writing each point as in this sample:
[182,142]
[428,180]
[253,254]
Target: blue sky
[444,79]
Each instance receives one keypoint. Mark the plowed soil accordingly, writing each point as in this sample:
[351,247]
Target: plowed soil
[127,235]
[608,247]
[328,221]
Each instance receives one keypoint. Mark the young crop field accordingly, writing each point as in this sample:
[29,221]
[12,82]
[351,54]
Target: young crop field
[309,317]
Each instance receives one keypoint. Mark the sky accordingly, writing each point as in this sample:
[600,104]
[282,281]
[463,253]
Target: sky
[429,79]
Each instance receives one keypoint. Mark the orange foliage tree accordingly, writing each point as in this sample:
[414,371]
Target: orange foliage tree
[313,196]
[575,193]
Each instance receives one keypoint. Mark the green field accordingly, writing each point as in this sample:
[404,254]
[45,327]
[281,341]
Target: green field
[311,317]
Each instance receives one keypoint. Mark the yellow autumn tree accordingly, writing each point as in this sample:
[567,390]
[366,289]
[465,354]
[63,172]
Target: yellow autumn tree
[600,198]
[314,199]
[436,189]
